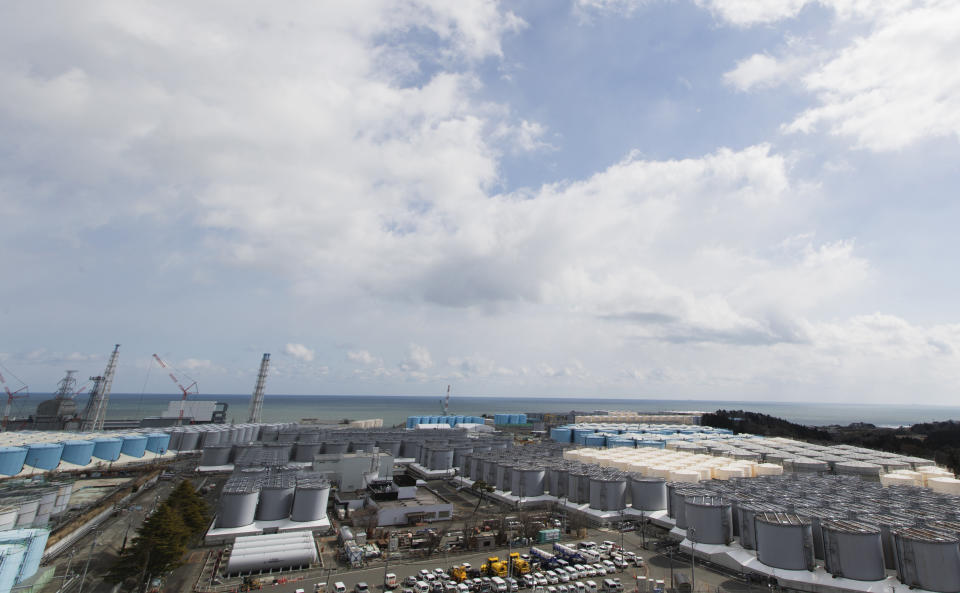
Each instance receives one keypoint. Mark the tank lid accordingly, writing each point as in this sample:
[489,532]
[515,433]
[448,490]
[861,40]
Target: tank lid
[926,534]
[849,526]
[777,518]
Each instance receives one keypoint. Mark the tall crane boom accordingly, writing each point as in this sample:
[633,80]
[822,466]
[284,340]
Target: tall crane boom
[96,411]
[186,390]
[256,401]
[11,395]
[446,403]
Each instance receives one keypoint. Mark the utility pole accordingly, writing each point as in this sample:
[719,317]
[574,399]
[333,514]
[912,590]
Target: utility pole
[86,566]
[693,559]
[66,573]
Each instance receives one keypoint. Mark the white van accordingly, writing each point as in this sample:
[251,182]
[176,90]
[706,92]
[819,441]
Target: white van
[499,585]
[591,587]
[339,587]
[611,586]
[580,587]
[422,587]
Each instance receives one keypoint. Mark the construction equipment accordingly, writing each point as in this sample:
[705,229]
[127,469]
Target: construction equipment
[11,395]
[186,390]
[251,584]
[459,573]
[494,567]
[256,401]
[446,403]
[96,409]
[519,566]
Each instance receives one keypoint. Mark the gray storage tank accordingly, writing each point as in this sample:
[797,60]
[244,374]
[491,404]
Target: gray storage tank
[391,446]
[276,498]
[709,520]
[335,447]
[784,540]
[648,494]
[853,550]
[608,492]
[305,452]
[747,513]
[216,455]
[928,559]
[238,502]
[310,500]
[527,480]
[440,459]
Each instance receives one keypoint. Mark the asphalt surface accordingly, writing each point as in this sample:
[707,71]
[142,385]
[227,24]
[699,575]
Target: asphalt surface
[657,566]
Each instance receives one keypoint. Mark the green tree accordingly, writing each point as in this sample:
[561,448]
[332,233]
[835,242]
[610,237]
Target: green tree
[191,506]
[161,540]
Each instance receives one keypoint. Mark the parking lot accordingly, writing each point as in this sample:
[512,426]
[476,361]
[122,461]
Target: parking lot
[656,566]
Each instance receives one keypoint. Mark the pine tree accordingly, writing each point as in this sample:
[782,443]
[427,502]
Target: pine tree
[162,540]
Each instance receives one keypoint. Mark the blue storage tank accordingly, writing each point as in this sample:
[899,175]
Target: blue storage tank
[78,452]
[561,435]
[595,440]
[11,460]
[134,445]
[158,442]
[650,443]
[499,419]
[620,441]
[459,419]
[11,559]
[410,422]
[107,448]
[34,541]
[43,455]
[523,418]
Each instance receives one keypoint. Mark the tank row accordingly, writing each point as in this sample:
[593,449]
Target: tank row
[541,470]
[692,461]
[414,421]
[278,445]
[852,528]
[30,452]
[272,495]
[633,435]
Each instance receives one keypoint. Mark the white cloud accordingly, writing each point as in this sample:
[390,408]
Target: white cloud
[755,12]
[763,71]
[299,351]
[894,87]
[418,359]
[362,357]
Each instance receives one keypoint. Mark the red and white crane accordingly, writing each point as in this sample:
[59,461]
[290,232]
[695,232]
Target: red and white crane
[186,390]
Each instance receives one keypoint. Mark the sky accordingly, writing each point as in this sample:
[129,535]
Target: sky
[706,199]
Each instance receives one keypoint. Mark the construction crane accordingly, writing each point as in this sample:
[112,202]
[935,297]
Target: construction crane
[11,395]
[256,401]
[446,403]
[185,390]
[96,410]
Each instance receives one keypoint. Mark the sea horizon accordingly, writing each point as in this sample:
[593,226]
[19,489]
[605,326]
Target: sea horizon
[394,409]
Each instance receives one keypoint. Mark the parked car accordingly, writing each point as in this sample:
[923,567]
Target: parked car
[528,581]
[361,587]
[390,581]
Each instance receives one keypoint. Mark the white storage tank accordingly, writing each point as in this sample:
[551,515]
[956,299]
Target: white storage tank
[266,553]
[853,550]
[784,540]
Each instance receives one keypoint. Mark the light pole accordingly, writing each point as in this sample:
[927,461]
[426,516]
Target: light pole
[693,559]
[89,556]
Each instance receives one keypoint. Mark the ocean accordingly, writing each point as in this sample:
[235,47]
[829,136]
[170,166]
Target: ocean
[395,409]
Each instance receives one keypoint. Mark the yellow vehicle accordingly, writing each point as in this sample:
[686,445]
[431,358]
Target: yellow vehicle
[494,567]
[520,566]
[458,573]
[251,584]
